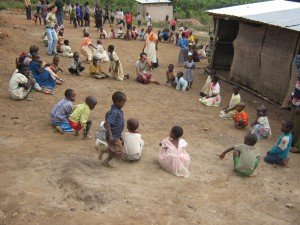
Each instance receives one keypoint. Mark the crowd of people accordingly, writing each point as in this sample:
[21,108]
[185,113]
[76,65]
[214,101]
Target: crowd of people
[33,73]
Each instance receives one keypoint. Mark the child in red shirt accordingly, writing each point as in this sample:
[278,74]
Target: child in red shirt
[241,119]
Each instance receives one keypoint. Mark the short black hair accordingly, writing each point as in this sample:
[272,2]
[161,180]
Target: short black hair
[110,48]
[215,78]
[75,54]
[33,49]
[86,34]
[66,42]
[132,124]
[91,101]
[177,131]
[68,93]
[237,87]
[288,124]
[22,67]
[179,74]
[118,96]
[250,139]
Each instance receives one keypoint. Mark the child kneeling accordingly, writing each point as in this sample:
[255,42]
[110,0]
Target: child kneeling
[245,159]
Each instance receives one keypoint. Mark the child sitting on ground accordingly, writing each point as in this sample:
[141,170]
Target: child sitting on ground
[75,66]
[133,143]
[172,155]
[170,74]
[189,66]
[115,69]
[60,41]
[96,70]
[134,33]
[213,98]
[85,47]
[112,34]
[279,154]
[240,117]
[100,53]
[127,36]
[245,158]
[229,111]
[142,34]
[120,32]
[79,119]
[114,124]
[55,68]
[181,83]
[261,127]
[61,111]
[66,49]
[103,34]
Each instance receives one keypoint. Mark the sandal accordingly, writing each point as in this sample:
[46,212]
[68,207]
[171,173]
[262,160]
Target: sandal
[46,91]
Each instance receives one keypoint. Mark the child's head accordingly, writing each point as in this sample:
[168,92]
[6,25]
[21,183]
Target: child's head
[211,38]
[171,67]
[142,30]
[76,56]
[132,124]
[86,34]
[176,132]
[95,60]
[55,60]
[139,13]
[61,33]
[120,28]
[99,42]
[33,49]
[91,102]
[215,79]
[190,58]
[70,95]
[110,48]
[180,74]
[286,126]
[127,32]
[143,56]
[250,139]
[236,89]
[66,42]
[200,46]
[261,111]
[112,30]
[119,99]
[240,107]
[133,27]
[23,69]
[101,29]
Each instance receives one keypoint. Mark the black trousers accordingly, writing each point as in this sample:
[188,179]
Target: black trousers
[28,12]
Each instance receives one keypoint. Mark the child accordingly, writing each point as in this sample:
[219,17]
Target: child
[120,32]
[189,66]
[181,83]
[60,41]
[142,34]
[261,127]
[115,69]
[114,123]
[191,38]
[37,14]
[170,74]
[229,111]
[85,47]
[240,117]
[66,49]
[79,14]
[75,66]
[61,111]
[279,154]
[55,68]
[133,143]
[213,98]
[98,17]
[79,119]
[139,19]
[171,38]
[245,159]
[172,155]
[103,34]
[112,17]
[73,15]
[134,33]
[96,70]
[127,36]
[112,34]
[100,53]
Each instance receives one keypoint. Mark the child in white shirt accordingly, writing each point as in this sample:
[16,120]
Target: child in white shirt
[66,49]
[120,32]
[133,142]
[181,83]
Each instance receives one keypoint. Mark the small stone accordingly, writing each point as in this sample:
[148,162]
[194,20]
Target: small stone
[205,129]
[14,215]
[92,208]
[72,209]
[290,206]
[17,122]
[190,206]
[276,199]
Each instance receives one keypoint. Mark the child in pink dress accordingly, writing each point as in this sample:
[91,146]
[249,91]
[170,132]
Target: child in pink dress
[172,155]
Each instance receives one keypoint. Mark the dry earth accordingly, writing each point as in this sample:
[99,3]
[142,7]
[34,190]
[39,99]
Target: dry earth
[48,178]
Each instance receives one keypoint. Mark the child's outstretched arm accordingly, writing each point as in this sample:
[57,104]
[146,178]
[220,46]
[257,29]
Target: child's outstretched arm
[222,155]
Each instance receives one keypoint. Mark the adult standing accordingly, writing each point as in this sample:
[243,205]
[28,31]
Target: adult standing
[150,47]
[50,31]
[28,9]
[141,66]
[173,24]
[128,19]
[87,14]
[296,110]
[60,12]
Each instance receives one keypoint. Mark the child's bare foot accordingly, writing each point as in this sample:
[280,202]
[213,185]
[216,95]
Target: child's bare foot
[285,162]
[106,164]
[59,130]
[76,133]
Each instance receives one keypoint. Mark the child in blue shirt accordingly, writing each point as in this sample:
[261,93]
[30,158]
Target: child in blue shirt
[181,83]
[114,124]
[279,154]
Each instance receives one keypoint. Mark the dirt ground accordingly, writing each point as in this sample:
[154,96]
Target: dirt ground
[48,178]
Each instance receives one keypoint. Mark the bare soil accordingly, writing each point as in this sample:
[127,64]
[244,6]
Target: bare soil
[48,178]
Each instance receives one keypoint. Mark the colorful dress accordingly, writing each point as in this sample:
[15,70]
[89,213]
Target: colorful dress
[189,71]
[85,48]
[116,69]
[235,99]
[262,128]
[212,101]
[150,46]
[174,160]
[44,78]
[241,116]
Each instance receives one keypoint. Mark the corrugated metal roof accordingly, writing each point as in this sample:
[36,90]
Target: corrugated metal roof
[278,13]
[152,1]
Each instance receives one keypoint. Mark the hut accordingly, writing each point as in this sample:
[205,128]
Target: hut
[158,9]
[257,43]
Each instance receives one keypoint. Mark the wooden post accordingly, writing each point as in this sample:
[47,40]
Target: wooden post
[216,33]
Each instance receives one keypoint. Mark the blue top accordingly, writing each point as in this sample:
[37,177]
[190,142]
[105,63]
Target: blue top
[183,43]
[115,118]
[44,79]
[61,111]
[283,146]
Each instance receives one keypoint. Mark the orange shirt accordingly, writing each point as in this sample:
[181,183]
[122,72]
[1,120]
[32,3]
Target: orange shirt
[85,41]
[241,116]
